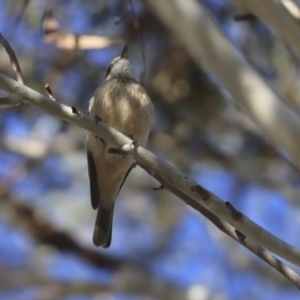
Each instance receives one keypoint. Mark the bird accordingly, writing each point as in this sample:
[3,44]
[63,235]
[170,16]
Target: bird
[122,103]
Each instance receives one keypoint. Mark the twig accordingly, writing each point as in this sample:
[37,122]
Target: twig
[48,23]
[137,28]
[17,70]
[159,188]
[49,91]
[18,18]
[118,20]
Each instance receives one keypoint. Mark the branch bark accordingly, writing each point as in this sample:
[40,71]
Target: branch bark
[262,253]
[197,194]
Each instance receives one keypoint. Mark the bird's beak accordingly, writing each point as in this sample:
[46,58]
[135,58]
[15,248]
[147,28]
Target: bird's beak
[124,53]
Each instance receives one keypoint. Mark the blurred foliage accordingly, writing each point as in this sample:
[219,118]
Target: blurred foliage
[161,249]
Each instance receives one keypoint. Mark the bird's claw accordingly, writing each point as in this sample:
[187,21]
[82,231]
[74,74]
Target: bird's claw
[97,119]
[134,144]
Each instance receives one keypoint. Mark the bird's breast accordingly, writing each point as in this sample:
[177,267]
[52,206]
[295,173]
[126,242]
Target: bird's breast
[125,107]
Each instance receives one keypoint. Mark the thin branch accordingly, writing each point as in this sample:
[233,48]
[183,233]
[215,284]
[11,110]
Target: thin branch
[48,23]
[118,20]
[283,15]
[37,226]
[9,103]
[136,26]
[127,271]
[159,167]
[225,227]
[21,13]
[208,46]
[6,103]
[49,91]
[17,70]
[13,59]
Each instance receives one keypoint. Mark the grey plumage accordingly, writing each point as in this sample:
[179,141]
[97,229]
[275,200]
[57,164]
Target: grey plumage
[124,105]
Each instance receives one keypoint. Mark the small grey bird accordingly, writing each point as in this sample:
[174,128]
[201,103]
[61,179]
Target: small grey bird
[122,103]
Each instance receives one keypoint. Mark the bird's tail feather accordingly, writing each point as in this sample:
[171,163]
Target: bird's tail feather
[103,226]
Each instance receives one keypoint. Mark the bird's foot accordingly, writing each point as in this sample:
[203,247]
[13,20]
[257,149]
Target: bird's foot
[134,144]
[97,119]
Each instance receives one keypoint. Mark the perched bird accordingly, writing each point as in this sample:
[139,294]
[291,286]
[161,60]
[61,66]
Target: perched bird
[122,103]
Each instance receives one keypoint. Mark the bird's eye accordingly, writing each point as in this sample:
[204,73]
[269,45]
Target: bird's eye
[108,70]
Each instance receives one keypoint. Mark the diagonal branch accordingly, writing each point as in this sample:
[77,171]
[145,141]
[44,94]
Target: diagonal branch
[225,227]
[16,68]
[283,15]
[35,223]
[128,271]
[189,187]
[208,46]
[13,59]
[21,13]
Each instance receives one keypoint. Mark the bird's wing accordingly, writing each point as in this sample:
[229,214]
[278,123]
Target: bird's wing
[95,196]
[129,170]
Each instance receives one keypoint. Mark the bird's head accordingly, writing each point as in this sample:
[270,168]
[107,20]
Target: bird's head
[121,67]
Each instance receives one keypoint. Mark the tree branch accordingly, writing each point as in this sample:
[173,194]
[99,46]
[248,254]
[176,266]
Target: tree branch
[157,166]
[207,45]
[127,272]
[13,59]
[16,68]
[127,280]
[37,226]
[266,256]
[282,15]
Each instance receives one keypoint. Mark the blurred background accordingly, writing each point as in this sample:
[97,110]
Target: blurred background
[161,248]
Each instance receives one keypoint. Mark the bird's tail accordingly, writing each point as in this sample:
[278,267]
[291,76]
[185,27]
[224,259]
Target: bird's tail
[103,226]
